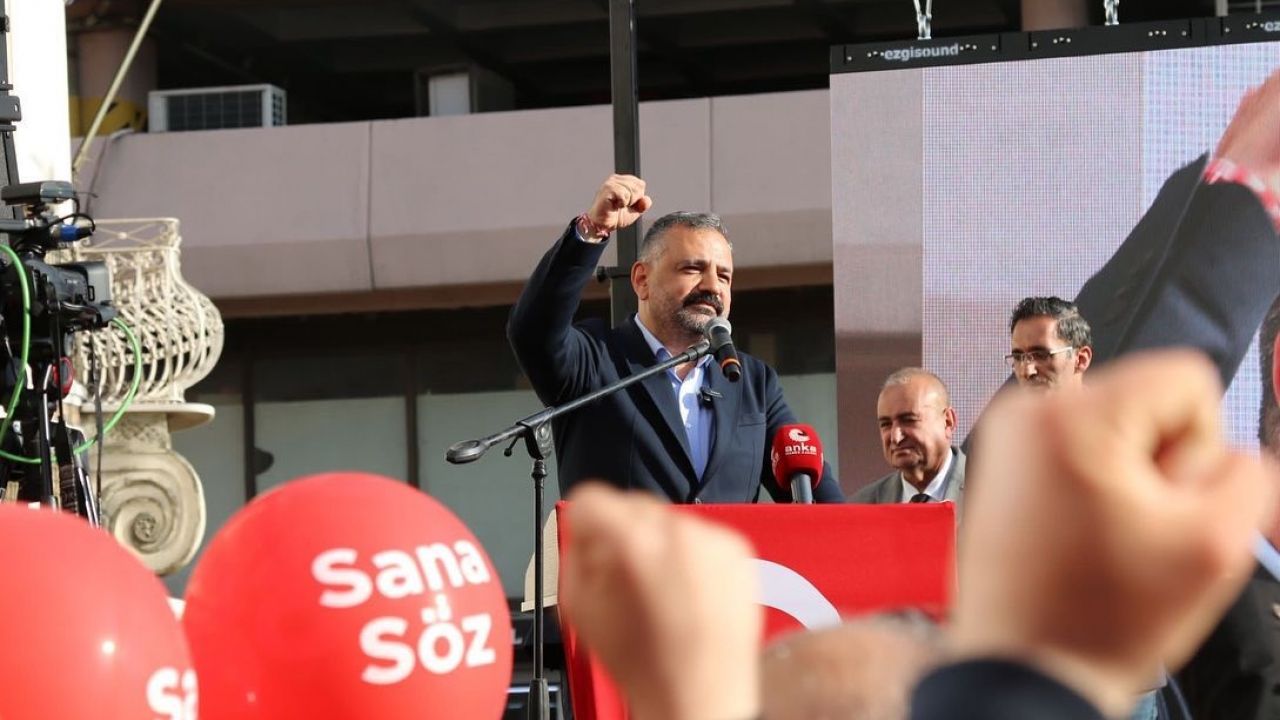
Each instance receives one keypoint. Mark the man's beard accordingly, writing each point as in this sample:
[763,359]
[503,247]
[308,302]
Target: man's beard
[694,322]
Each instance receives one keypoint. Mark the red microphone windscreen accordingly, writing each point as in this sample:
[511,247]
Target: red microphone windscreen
[796,449]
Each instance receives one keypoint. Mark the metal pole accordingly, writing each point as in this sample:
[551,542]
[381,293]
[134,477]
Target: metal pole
[626,146]
[539,696]
[114,88]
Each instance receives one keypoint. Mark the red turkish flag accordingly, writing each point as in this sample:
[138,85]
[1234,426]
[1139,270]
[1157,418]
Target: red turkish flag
[817,563]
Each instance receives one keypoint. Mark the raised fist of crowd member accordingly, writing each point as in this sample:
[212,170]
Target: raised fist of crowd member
[667,601]
[1107,530]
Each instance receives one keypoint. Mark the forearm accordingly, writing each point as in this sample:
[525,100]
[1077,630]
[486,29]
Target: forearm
[1220,278]
[1198,270]
[540,326]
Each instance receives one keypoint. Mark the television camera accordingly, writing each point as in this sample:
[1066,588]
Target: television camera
[42,306]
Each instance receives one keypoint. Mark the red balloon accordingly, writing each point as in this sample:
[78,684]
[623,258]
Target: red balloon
[348,595]
[85,628]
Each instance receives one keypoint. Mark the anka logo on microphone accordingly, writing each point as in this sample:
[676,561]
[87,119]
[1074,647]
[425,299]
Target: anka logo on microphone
[801,443]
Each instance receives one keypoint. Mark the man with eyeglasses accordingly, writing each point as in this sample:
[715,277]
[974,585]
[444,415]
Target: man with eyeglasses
[1051,346]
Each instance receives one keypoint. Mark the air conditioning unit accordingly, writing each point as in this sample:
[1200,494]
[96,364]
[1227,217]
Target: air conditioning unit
[215,108]
[460,92]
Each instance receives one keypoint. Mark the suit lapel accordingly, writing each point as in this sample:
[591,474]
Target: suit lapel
[891,491]
[724,408]
[657,389]
[955,483]
[955,488]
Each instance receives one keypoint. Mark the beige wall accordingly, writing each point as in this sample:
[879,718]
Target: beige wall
[473,200]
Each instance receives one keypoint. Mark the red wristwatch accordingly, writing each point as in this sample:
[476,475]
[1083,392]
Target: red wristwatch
[589,230]
[1224,170]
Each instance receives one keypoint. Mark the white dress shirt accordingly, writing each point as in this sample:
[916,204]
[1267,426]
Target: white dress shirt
[937,488]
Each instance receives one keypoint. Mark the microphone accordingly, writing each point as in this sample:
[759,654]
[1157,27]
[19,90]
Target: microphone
[796,458]
[720,334]
[466,451]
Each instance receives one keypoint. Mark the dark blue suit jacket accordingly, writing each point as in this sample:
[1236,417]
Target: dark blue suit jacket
[1235,675]
[635,438]
[996,690]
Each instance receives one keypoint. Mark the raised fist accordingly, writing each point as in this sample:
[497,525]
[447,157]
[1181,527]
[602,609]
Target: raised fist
[618,203]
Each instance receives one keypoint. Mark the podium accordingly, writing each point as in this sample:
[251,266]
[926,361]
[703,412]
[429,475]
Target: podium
[816,563]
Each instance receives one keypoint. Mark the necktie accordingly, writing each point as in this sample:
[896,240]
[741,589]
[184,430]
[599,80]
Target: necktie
[920,498]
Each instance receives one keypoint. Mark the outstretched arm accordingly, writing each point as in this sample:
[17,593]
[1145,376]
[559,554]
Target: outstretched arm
[556,357]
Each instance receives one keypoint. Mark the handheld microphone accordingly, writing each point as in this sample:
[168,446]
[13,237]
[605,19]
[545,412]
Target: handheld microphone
[796,458]
[720,334]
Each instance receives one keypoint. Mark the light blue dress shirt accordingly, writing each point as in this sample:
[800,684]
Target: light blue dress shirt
[696,415]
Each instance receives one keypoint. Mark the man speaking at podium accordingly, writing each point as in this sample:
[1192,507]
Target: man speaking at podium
[689,435]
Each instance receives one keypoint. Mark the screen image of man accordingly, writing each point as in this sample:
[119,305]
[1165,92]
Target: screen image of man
[1051,346]
[1236,673]
[917,424]
[689,435]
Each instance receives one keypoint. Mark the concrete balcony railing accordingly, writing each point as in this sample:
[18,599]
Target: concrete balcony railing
[404,206]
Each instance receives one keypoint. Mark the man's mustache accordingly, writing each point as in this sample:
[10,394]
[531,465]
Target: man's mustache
[705,298]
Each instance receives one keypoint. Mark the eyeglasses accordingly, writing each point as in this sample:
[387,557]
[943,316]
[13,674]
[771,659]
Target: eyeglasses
[1039,357]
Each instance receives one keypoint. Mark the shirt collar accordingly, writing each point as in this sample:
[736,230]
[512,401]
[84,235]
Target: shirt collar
[660,351]
[937,488]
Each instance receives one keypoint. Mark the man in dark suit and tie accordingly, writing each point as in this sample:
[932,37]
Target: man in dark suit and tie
[917,423]
[689,435]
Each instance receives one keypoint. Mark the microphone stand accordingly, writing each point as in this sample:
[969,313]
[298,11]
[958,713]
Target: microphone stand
[802,488]
[536,432]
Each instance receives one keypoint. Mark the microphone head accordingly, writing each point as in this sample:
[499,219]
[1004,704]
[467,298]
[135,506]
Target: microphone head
[796,449]
[717,331]
[466,451]
[719,334]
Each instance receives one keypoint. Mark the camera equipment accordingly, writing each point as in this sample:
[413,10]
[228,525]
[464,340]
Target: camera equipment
[42,306]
